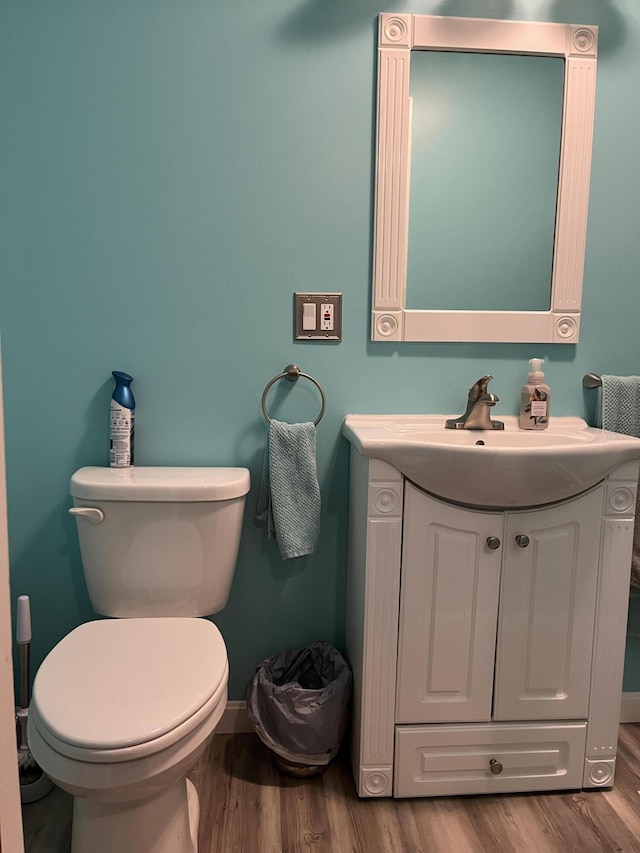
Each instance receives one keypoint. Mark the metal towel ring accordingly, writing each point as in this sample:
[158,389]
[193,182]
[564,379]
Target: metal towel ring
[292,372]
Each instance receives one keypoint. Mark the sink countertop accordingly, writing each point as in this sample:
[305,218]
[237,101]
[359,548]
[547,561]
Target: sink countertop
[493,468]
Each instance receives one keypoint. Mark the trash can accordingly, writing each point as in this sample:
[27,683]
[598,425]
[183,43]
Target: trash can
[298,702]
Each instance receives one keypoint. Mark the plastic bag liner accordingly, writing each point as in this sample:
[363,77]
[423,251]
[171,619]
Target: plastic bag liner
[298,702]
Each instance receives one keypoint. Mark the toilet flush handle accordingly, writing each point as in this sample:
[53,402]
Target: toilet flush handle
[91,513]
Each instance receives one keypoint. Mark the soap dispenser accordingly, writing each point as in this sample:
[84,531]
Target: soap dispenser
[534,398]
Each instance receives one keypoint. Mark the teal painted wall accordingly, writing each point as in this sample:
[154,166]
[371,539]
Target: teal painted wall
[171,172]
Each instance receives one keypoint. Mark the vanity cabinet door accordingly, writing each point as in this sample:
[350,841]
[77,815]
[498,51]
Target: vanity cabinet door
[448,611]
[547,611]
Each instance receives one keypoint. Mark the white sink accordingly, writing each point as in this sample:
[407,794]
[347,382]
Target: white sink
[493,468]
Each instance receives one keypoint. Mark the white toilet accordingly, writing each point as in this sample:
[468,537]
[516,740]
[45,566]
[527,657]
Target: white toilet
[122,708]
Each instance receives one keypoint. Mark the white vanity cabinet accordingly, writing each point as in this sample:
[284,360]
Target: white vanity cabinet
[529,577]
[487,646]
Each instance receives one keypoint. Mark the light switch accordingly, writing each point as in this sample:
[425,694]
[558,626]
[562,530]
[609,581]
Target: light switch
[309,316]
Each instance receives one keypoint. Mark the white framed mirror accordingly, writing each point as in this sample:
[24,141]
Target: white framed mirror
[540,142]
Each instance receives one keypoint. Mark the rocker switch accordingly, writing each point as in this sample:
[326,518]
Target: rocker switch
[309,317]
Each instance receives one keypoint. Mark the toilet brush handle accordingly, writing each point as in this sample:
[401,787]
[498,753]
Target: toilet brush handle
[23,638]
[24,676]
[23,620]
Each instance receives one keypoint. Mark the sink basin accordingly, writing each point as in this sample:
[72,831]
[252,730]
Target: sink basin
[491,468]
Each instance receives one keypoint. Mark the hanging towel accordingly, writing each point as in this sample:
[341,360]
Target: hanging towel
[620,412]
[621,404]
[288,493]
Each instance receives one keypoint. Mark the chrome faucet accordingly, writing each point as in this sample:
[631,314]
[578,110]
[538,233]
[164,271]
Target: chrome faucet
[479,405]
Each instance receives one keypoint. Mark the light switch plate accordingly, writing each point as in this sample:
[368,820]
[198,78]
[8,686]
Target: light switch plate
[322,317]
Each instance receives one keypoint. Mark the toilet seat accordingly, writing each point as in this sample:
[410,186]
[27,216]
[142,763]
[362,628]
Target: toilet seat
[116,690]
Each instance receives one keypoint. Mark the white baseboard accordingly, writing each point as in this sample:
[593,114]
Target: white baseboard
[630,708]
[235,720]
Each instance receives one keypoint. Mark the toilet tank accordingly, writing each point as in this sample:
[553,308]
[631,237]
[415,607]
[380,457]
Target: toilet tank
[159,541]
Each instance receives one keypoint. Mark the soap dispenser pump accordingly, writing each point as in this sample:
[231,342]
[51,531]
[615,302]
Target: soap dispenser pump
[534,398]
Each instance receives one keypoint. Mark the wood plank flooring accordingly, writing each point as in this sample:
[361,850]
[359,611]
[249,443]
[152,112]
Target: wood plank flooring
[248,806]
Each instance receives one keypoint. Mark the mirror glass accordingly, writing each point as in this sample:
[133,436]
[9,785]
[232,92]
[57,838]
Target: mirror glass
[485,149]
[484,131]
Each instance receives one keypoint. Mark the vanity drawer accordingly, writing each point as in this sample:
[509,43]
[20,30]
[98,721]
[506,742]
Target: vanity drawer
[432,761]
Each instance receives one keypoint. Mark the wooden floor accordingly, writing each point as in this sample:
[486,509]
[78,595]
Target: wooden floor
[248,806]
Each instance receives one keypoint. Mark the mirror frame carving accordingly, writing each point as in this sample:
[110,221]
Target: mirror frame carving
[398,35]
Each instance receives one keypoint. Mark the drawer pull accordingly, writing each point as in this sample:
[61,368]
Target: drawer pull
[493,543]
[495,766]
[522,541]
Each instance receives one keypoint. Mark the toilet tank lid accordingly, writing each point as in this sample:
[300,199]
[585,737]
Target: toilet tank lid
[160,484]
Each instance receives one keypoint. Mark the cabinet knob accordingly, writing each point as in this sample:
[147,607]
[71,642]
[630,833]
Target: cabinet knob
[522,541]
[493,542]
[495,766]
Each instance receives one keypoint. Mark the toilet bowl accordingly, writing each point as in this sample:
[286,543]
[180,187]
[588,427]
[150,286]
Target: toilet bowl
[123,707]
[121,711]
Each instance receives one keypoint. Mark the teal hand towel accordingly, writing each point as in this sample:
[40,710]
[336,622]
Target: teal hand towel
[288,493]
[620,406]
